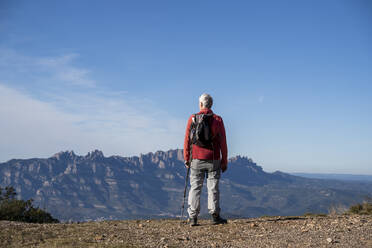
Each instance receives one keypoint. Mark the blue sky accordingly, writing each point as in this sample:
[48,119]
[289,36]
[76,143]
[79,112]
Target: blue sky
[292,79]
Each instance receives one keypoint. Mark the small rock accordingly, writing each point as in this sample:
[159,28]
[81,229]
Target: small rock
[329,240]
[99,238]
[311,225]
[140,225]
[183,238]
[254,225]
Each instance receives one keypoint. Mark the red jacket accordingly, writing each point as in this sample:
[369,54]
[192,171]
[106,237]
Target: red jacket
[219,142]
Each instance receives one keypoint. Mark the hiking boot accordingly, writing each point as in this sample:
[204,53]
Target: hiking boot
[216,219]
[193,221]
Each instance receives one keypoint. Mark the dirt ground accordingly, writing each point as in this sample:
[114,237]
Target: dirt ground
[335,231]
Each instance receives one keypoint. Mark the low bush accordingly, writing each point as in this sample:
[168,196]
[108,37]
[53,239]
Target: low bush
[363,208]
[19,210]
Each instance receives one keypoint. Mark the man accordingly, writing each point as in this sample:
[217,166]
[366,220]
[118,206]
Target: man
[205,162]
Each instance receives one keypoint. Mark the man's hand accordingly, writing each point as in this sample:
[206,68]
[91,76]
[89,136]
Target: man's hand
[223,167]
[187,164]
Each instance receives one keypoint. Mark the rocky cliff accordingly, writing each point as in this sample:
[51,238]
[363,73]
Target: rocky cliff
[90,187]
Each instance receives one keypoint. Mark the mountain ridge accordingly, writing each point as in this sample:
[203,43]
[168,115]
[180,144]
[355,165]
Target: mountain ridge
[335,176]
[75,187]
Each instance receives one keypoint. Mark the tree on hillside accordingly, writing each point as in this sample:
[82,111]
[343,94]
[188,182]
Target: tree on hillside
[19,210]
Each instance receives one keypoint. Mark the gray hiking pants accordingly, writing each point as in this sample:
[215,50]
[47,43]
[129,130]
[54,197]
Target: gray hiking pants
[211,169]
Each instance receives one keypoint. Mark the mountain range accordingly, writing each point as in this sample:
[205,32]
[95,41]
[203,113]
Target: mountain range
[343,177]
[92,187]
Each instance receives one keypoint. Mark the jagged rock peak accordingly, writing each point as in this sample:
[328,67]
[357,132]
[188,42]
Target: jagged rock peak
[247,162]
[95,154]
[241,159]
[64,154]
[173,153]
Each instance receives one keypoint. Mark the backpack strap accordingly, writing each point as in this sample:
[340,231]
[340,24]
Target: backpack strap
[217,134]
[194,118]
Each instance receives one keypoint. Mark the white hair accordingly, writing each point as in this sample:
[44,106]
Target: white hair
[206,100]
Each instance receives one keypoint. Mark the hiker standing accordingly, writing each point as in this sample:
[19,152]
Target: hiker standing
[205,146]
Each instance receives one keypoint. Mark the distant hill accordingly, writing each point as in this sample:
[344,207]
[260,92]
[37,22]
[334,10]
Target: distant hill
[73,187]
[344,177]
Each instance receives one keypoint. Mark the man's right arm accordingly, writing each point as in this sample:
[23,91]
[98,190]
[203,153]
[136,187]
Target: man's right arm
[186,144]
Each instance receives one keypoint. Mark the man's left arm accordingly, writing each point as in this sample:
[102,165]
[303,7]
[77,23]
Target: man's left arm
[223,146]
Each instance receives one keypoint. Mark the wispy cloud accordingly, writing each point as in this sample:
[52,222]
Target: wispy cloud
[39,125]
[60,69]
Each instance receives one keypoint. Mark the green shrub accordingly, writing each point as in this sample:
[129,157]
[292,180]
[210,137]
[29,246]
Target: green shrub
[20,210]
[364,208]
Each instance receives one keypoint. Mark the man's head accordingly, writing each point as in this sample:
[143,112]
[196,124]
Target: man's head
[205,101]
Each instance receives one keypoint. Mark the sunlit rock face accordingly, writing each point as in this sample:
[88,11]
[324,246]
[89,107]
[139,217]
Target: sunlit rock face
[93,186]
